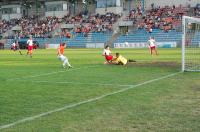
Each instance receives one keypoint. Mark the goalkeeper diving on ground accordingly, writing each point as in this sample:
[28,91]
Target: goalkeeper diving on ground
[119,60]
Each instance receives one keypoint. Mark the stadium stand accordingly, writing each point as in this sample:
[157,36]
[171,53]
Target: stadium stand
[95,29]
[164,23]
[6,25]
[142,36]
[79,40]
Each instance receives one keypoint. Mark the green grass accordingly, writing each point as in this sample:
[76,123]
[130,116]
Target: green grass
[170,104]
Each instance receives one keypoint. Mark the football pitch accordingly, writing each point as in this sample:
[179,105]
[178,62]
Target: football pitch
[38,95]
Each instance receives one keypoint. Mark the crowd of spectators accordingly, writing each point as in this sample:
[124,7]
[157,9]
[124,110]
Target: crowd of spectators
[165,18]
[45,27]
[6,25]
[196,11]
[31,26]
[42,28]
[135,14]
[37,28]
[93,23]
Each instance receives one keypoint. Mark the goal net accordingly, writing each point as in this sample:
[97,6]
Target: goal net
[191,44]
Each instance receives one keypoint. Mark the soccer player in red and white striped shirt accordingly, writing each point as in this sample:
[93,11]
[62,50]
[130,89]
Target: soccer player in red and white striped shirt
[152,46]
[107,54]
[30,46]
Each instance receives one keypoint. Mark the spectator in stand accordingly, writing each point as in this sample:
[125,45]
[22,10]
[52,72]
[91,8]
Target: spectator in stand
[196,11]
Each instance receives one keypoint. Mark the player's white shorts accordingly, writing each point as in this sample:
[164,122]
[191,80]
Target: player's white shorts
[62,57]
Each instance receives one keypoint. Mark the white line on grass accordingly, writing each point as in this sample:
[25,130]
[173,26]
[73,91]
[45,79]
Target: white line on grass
[66,82]
[83,102]
[46,74]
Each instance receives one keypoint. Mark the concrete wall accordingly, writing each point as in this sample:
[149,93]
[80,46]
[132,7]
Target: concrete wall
[171,3]
[11,16]
[116,10]
[59,14]
[79,7]
[33,11]
[16,15]
[128,5]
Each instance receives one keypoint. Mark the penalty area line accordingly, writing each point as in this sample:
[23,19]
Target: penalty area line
[50,73]
[78,83]
[31,118]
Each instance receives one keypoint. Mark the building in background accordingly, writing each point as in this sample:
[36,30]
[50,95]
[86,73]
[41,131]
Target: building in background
[17,8]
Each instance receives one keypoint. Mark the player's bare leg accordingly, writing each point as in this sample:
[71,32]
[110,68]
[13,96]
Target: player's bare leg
[156,51]
[30,53]
[20,52]
[151,51]
[66,63]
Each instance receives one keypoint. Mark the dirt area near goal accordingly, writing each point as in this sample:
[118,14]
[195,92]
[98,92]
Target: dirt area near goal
[154,64]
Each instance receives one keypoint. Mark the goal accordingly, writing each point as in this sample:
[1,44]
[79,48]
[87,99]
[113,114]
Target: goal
[191,44]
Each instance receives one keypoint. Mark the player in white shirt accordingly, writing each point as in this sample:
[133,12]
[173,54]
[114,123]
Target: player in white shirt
[107,54]
[152,45]
[15,46]
[30,46]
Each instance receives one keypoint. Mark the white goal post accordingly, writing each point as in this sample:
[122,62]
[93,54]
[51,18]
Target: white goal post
[191,44]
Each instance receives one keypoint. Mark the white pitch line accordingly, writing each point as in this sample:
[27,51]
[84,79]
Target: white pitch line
[46,74]
[66,82]
[83,102]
